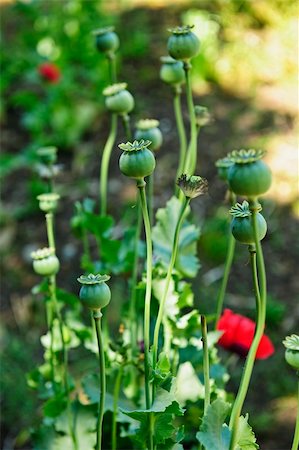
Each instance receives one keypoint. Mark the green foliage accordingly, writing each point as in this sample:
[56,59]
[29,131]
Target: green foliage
[161,417]
[214,433]
[187,263]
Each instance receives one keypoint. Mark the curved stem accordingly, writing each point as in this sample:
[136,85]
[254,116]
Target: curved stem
[260,325]
[191,157]
[206,369]
[97,319]
[227,267]
[296,434]
[147,307]
[50,229]
[181,130]
[126,123]
[116,391]
[105,164]
[168,278]
[112,67]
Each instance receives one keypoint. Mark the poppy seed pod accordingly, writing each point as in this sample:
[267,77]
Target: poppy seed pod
[241,224]
[192,185]
[136,161]
[45,262]
[48,202]
[107,40]
[172,71]
[223,165]
[94,293]
[147,129]
[249,176]
[291,344]
[118,99]
[183,44]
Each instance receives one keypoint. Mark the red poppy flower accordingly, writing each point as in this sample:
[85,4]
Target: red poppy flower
[49,72]
[238,335]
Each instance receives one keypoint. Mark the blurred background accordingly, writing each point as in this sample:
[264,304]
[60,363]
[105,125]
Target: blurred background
[246,74]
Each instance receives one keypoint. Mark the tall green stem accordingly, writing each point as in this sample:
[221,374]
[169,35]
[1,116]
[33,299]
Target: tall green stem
[296,434]
[50,229]
[181,130]
[227,267]
[97,319]
[133,315]
[150,197]
[105,165]
[127,127]
[147,307]
[115,402]
[191,157]
[260,325]
[112,67]
[168,278]
[206,369]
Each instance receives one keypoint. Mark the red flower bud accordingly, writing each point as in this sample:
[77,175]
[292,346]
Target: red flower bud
[49,72]
[238,335]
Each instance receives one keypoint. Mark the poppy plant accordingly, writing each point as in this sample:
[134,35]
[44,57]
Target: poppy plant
[238,333]
[49,72]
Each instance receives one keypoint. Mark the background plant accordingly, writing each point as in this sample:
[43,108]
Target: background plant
[258,21]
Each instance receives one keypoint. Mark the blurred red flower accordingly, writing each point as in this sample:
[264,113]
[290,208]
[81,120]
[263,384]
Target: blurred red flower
[238,335]
[49,72]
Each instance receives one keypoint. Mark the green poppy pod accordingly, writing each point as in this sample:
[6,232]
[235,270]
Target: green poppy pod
[47,155]
[45,262]
[172,71]
[223,165]
[48,202]
[94,293]
[136,161]
[292,350]
[241,224]
[107,40]
[249,176]
[118,99]
[183,44]
[147,129]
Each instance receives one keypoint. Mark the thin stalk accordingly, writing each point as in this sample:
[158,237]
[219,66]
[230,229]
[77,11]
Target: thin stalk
[132,311]
[116,391]
[97,319]
[260,325]
[168,278]
[181,130]
[112,67]
[227,267]
[50,229]
[127,127]
[105,165]
[206,368]
[296,434]
[191,157]
[252,252]
[52,287]
[147,307]
[150,197]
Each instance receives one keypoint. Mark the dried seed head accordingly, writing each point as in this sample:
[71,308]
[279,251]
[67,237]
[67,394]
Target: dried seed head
[192,185]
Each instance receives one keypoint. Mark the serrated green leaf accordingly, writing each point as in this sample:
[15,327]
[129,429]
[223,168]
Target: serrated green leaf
[187,263]
[163,411]
[214,433]
[246,439]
